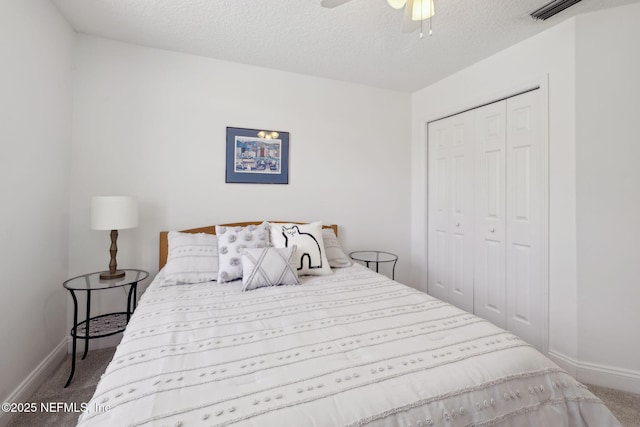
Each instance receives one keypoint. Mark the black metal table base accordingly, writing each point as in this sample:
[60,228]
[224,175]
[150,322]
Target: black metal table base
[98,326]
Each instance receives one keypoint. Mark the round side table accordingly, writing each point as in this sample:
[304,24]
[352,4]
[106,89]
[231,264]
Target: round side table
[103,325]
[376,257]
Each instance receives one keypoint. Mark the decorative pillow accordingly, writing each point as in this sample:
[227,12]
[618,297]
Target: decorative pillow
[336,256]
[191,258]
[269,267]
[232,241]
[310,256]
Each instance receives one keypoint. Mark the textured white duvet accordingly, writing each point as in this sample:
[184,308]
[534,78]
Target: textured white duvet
[350,349]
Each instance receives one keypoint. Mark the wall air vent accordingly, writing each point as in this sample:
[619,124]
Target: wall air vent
[551,9]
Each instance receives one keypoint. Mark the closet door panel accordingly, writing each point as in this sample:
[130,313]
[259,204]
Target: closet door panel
[462,211]
[439,159]
[490,268]
[524,246]
[487,213]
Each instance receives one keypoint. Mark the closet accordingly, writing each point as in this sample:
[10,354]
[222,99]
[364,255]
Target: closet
[487,243]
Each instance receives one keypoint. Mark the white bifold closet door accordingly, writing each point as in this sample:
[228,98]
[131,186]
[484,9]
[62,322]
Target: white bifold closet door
[526,215]
[490,285]
[486,210]
[451,217]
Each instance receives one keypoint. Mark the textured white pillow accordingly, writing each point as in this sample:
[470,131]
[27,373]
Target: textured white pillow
[191,258]
[269,267]
[232,241]
[336,256]
[310,257]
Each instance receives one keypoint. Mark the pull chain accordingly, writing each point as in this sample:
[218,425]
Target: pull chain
[421,21]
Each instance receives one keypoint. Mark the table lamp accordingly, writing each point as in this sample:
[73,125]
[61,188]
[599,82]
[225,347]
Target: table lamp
[113,213]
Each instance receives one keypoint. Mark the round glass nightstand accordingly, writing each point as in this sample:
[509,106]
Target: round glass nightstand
[376,257]
[103,325]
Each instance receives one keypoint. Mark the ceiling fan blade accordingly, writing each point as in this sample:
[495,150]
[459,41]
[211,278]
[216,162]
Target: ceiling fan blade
[409,25]
[333,3]
[397,4]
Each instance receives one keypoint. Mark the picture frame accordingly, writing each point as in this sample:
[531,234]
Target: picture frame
[257,156]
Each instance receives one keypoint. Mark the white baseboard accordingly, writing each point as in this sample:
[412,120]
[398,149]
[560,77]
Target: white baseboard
[30,384]
[600,375]
[608,376]
[565,362]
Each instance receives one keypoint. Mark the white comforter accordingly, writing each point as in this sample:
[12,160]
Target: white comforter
[350,349]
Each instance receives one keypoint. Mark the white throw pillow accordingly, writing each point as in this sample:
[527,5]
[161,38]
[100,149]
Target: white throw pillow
[191,258]
[310,256]
[269,267]
[232,241]
[336,256]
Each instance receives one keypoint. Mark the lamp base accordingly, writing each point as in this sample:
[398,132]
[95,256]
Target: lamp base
[105,275]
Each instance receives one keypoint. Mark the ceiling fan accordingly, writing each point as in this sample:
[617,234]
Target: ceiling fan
[415,11]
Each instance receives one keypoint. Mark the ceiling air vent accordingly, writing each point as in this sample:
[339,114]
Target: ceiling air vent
[553,8]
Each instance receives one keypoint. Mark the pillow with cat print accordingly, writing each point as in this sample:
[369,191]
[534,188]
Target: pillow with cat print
[310,257]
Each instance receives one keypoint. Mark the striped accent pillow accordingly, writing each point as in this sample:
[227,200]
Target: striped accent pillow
[192,258]
[269,267]
[335,255]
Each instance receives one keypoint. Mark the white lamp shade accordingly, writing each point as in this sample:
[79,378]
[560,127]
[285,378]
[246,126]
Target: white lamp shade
[422,9]
[114,212]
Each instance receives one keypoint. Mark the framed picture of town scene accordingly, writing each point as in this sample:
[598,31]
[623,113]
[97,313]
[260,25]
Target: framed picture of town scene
[257,156]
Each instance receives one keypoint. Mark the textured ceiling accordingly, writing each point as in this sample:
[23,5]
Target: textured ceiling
[360,41]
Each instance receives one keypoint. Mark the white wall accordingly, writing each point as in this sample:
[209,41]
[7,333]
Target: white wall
[35,133]
[592,63]
[551,54]
[152,123]
[608,183]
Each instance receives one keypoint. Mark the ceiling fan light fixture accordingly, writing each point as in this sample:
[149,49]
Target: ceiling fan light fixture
[422,9]
[397,4]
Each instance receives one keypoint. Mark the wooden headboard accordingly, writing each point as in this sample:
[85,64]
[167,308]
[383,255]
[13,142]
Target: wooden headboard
[211,229]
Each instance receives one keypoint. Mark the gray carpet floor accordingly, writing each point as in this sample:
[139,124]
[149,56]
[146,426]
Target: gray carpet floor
[85,380]
[625,406]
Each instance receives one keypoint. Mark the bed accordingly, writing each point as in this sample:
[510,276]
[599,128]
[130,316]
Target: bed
[352,348]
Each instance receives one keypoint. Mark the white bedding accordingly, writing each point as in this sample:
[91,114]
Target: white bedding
[354,348]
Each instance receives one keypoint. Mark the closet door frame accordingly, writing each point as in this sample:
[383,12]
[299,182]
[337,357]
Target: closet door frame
[540,83]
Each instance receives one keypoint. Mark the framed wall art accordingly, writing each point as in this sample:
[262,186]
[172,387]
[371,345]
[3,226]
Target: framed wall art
[257,156]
